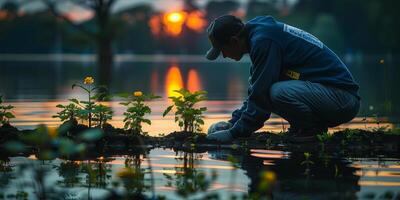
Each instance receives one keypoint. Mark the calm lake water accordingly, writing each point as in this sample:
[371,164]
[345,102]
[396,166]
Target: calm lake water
[35,84]
[290,177]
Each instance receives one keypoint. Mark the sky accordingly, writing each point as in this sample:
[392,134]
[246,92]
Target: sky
[161,5]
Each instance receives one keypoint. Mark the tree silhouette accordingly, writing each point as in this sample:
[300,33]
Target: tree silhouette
[103,34]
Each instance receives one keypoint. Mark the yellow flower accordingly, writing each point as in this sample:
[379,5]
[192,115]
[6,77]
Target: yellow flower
[137,94]
[88,80]
[52,131]
[268,176]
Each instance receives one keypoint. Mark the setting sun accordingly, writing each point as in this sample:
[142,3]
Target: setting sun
[175,17]
[173,22]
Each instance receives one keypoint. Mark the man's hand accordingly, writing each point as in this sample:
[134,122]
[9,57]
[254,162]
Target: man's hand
[221,136]
[219,126]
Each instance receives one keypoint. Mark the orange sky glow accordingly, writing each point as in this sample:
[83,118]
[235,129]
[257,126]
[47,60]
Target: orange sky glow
[171,23]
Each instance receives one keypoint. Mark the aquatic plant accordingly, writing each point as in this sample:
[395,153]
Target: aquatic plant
[136,110]
[188,117]
[5,112]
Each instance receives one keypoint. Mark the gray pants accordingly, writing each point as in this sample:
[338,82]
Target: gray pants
[312,105]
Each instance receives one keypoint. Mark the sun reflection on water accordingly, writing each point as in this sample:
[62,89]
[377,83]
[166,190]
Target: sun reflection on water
[173,81]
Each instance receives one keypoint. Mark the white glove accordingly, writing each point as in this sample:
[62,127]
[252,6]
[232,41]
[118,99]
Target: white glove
[221,136]
[219,126]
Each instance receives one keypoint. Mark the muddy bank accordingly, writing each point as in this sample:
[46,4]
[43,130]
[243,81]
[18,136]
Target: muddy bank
[117,140]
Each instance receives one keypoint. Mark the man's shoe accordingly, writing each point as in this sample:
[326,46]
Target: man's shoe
[304,135]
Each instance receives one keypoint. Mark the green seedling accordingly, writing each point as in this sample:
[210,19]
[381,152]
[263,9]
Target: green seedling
[307,162]
[69,112]
[5,112]
[89,105]
[324,137]
[136,110]
[101,114]
[188,117]
[86,110]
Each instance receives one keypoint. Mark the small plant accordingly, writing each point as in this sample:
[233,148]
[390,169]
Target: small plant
[307,162]
[188,117]
[68,113]
[86,110]
[324,137]
[101,114]
[5,114]
[136,110]
[89,104]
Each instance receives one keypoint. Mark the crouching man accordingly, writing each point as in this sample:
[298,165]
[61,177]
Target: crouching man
[293,74]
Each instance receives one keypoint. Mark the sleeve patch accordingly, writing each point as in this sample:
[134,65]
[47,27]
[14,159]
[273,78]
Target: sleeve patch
[303,35]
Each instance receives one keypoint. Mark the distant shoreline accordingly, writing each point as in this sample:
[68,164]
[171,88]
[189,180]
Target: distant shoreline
[118,58]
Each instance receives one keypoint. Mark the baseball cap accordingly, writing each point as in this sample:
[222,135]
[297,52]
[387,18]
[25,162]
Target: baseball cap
[220,31]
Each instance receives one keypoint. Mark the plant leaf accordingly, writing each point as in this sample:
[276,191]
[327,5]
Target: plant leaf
[74,101]
[167,110]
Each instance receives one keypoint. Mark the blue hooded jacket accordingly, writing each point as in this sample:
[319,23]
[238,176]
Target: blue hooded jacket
[280,52]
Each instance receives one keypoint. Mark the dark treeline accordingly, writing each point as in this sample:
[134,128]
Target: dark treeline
[346,26]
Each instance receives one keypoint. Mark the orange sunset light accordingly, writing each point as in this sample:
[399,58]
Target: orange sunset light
[173,81]
[196,21]
[194,83]
[172,23]
[175,17]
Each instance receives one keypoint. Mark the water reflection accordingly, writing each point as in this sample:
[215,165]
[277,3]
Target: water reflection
[173,81]
[187,179]
[194,81]
[298,177]
[133,176]
[5,171]
[222,173]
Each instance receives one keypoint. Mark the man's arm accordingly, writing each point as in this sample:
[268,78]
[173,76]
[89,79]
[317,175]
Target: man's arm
[238,112]
[266,57]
